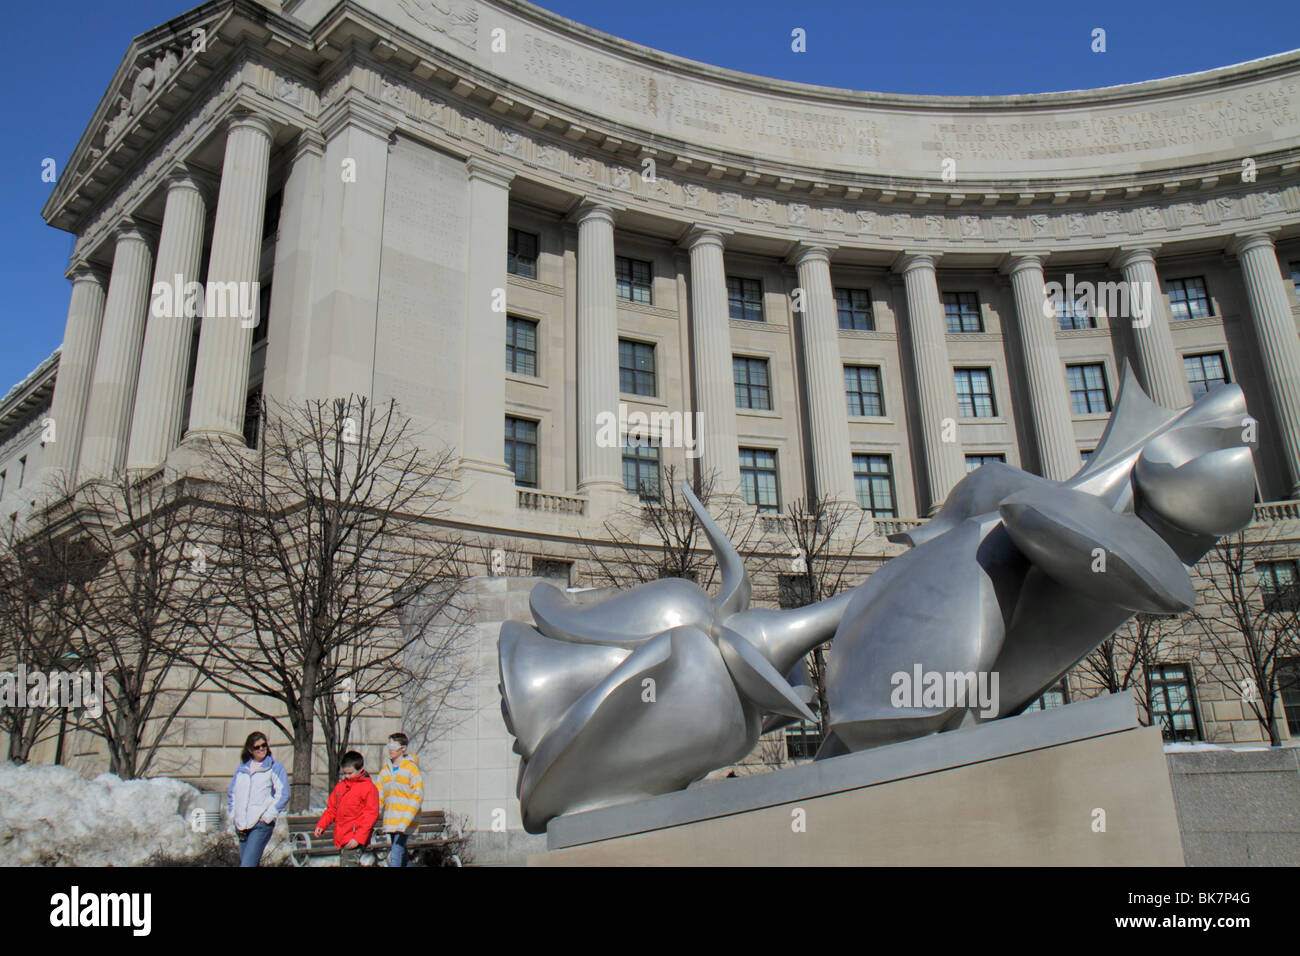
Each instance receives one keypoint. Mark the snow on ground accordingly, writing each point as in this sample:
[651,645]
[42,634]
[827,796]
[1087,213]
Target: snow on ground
[1182,747]
[50,815]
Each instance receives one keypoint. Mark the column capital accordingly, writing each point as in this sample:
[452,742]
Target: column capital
[1255,239]
[489,172]
[246,120]
[82,270]
[703,235]
[910,259]
[1125,256]
[308,141]
[595,207]
[130,228]
[1014,262]
[184,176]
[809,252]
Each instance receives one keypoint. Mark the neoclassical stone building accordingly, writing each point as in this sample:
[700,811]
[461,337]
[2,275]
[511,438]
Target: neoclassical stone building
[515,225]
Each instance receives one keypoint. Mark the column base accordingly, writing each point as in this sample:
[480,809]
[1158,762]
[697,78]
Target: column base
[604,498]
[487,487]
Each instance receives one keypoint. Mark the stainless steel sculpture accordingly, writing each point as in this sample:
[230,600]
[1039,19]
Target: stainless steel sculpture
[620,695]
[1021,577]
[616,696]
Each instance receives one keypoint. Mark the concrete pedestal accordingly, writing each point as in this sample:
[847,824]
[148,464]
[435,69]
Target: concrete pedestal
[1034,790]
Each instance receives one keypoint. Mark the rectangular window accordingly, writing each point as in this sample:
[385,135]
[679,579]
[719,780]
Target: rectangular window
[873,480]
[1279,584]
[753,388]
[641,468]
[1188,298]
[554,569]
[22,470]
[1088,392]
[1173,709]
[521,255]
[1058,695]
[636,368]
[521,346]
[962,310]
[854,306]
[975,461]
[521,450]
[1073,315]
[862,385]
[633,279]
[1288,682]
[1205,372]
[3,476]
[975,393]
[758,479]
[745,298]
[802,741]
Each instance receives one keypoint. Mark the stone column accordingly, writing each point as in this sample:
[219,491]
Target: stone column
[287,348]
[1162,369]
[828,415]
[76,372]
[117,366]
[715,392]
[1049,404]
[936,393]
[599,468]
[164,359]
[1279,346]
[221,377]
[485,476]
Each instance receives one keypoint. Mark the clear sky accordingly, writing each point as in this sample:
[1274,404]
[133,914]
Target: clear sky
[57,57]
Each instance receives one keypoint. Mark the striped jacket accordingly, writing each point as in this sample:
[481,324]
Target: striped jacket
[401,794]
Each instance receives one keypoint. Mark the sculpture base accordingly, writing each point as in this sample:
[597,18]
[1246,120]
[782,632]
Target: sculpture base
[1078,785]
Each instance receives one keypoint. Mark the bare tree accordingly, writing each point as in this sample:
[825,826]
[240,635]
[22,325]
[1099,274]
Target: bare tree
[1122,660]
[1256,638]
[138,617]
[326,537]
[821,538]
[42,570]
[659,535]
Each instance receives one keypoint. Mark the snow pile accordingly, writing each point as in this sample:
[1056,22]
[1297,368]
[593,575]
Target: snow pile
[50,815]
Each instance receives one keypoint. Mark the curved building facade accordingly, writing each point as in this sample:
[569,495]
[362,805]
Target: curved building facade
[523,229]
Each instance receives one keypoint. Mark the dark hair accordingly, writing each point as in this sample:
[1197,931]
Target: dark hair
[399,737]
[352,760]
[247,753]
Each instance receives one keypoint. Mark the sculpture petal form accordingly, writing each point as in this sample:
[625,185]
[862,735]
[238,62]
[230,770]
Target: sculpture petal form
[1062,563]
[620,695]
[1081,543]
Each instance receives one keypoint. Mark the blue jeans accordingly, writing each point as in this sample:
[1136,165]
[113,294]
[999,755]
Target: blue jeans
[254,842]
[398,856]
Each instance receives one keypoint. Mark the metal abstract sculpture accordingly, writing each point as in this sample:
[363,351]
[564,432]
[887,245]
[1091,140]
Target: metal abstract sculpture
[616,696]
[1020,577]
[620,695]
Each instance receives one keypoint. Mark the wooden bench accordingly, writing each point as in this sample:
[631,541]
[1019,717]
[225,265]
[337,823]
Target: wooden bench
[432,830]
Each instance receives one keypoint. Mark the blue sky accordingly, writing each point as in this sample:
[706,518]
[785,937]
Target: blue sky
[57,57]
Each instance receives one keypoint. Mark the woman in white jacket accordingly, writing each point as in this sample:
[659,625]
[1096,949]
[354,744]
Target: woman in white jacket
[259,792]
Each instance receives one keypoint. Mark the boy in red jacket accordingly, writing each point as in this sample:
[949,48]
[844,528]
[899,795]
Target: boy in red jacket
[353,808]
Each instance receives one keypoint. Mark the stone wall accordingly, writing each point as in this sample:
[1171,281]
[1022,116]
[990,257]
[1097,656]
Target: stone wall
[1238,807]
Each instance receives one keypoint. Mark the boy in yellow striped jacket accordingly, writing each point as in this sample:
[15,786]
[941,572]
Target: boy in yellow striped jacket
[401,794]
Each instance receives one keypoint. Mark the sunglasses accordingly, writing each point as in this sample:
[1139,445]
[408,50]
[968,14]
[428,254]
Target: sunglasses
[259,747]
